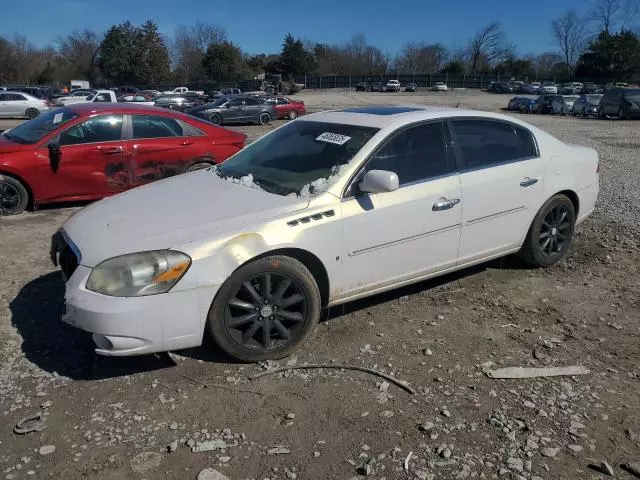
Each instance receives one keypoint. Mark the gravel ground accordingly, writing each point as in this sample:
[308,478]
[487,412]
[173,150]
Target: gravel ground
[144,417]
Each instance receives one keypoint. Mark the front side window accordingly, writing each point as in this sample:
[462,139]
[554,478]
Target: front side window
[484,143]
[414,154]
[105,128]
[283,101]
[298,157]
[149,126]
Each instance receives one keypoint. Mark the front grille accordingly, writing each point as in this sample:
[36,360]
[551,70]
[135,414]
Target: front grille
[63,255]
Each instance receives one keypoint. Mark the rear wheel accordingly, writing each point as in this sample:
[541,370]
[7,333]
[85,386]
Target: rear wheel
[293,115]
[265,310]
[264,119]
[550,233]
[32,113]
[215,118]
[13,196]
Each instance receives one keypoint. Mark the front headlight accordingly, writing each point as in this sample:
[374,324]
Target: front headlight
[139,274]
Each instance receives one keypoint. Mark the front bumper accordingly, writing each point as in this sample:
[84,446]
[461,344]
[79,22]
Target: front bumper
[138,325]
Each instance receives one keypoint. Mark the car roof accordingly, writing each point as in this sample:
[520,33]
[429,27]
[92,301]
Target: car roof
[385,115]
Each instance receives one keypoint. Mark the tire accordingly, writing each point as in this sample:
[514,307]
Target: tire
[554,223]
[32,113]
[622,115]
[199,166]
[264,119]
[215,118]
[292,115]
[14,197]
[239,328]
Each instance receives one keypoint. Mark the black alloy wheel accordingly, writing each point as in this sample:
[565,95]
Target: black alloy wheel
[13,196]
[215,118]
[265,309]
[550,233]
[555,231]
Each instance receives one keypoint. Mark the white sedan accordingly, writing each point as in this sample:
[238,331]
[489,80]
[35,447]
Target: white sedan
[440,87]
[326,209]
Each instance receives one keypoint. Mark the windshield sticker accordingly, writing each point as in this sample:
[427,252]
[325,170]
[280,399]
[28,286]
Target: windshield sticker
[335,138]
[57,118]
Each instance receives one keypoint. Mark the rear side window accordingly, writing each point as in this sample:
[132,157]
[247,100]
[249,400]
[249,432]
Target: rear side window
[149,126]
[14,97]
[163,100]
[484,143]
[414,154]
[105,128]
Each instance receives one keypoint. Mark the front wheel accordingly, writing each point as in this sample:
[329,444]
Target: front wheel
[622,114]
[13,196]
[550,233]
[198,166]
[264,119]
[265,310]
[31,113]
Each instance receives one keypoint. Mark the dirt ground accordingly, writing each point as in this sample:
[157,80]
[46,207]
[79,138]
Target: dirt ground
[137,418]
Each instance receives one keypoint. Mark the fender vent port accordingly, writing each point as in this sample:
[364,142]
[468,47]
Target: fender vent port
[309,218]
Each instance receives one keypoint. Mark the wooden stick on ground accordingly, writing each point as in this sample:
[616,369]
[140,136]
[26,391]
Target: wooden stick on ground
[524,372]
[337,366]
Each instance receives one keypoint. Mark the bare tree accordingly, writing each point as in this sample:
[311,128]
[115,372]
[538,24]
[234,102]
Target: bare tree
[630,16]
[605,14]
[77,55]
[489,45]
[544,64]
[421,58]
[568,32]
[189,47]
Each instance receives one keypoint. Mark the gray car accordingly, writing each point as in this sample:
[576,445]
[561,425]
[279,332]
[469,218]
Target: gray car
[21,105]
[242,109]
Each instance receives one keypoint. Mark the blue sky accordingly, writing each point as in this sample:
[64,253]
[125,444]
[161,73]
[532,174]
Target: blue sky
[386,24]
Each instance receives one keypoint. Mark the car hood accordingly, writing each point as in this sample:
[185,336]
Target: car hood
[171,212]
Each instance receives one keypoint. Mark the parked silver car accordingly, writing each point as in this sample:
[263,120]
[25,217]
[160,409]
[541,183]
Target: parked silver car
[20,105]
[241,109]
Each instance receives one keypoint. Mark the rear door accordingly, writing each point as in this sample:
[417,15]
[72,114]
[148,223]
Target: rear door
[161,147]
[16,104]
[252,108]
[501,176]
[92,162]
[4,105]
[235,111]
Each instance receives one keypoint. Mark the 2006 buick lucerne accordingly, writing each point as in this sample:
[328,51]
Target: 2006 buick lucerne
[323,210]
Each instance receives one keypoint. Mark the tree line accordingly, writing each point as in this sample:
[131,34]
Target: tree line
[601,44]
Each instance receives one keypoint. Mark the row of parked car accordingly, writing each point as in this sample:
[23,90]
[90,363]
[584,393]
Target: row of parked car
[617,102]
[396,86]
[226,106]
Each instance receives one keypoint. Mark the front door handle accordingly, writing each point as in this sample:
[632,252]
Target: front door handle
[109,150]
[527,182]
[186,143]
[445,204]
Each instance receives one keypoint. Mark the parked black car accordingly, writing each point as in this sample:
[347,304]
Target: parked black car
[178,101]
[590,87]
[45,93]
[543,103]
[363,87]
[411,87]
[621,102]
[236,109]
[499,87]
[377,87]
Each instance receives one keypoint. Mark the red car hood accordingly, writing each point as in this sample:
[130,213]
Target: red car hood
[7,146]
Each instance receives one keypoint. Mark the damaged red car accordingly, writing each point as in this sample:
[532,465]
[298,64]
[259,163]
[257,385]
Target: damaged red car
[89,151]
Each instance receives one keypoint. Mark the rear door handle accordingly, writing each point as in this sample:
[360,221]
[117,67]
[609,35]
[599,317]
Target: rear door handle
[445,204]
[527,182]
[186,143]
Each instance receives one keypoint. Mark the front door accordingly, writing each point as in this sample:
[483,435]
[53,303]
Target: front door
[501,175]
[161,147]
[400,235]
[92,162]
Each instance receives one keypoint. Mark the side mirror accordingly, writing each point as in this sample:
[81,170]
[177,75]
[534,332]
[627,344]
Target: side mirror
[55,155]
[379,181]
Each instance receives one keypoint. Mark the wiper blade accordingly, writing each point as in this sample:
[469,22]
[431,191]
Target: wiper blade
[273,187]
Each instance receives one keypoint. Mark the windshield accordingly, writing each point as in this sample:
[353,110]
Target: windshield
[594,99]
[34,130]
[218,103]
[633,94]
[298,157]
